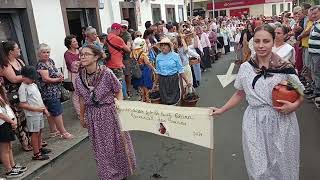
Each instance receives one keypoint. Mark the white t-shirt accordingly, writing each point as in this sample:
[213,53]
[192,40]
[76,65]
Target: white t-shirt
[7,111]
[30,94]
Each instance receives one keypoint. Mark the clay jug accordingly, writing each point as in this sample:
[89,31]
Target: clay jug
[283,92]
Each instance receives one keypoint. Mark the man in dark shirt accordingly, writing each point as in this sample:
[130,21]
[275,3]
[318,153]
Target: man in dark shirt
[126,36]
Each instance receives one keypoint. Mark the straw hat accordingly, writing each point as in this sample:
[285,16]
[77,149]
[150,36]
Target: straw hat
[165,40]
[138,43]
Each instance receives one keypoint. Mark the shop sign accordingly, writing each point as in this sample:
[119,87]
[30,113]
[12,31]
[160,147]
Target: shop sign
[237,3]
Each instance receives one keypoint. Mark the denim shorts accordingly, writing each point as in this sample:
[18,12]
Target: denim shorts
[54,107]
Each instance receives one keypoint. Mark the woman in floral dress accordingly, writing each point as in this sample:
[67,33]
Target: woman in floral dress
[270,135]
[98,88]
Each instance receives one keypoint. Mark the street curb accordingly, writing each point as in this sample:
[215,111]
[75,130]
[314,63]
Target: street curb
[35,173]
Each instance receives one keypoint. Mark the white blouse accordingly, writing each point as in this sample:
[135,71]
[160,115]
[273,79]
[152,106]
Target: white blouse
[286,52]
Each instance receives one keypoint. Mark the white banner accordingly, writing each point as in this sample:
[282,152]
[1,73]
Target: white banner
[190,124]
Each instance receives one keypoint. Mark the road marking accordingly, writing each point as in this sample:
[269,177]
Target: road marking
[225,80]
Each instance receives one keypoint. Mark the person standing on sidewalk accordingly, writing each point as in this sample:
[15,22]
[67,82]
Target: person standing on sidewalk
[314,52]
[8,123]
[117,48]
[11,66]
[50,80]
[99,89]
[72,59]
[34,108]
[126,37]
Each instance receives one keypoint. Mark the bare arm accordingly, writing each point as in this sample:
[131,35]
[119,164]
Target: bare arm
[46,78]
[184,77]
[9,74]
[119,95]
[28,107]
[235,99]
[129,44]
[196,41]
[6,118]
[126,48]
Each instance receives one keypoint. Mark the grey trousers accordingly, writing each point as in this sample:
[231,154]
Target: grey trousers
[315,70]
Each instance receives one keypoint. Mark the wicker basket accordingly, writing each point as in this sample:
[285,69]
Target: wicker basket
[154,100]
[189,103]
[193,61]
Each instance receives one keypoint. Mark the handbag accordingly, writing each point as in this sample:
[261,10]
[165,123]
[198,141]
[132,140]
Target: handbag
[65,94]
[135,67]
[68,85]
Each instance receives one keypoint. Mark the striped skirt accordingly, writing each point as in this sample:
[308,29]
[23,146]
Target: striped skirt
[169,88]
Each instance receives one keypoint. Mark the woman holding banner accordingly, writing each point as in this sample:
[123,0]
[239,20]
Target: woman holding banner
[270,135]
[98,89]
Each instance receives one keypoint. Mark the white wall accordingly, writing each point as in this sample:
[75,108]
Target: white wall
[50,27]
[111,12]
[256,10]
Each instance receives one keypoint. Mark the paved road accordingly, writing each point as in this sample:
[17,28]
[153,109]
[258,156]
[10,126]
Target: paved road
[176,160]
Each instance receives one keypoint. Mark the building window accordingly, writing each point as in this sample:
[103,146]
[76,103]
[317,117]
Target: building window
[78,18]
[216,14]
[156,14]
[171,15]
[11,30]
[274,9]
[223,13]
[289,7]
[181,14]
[281,8]
[7,31]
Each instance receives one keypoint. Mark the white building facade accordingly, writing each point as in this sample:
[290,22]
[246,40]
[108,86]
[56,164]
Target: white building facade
[31,22]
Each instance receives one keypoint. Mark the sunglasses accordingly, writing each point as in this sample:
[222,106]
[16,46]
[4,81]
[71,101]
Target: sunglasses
[139,35]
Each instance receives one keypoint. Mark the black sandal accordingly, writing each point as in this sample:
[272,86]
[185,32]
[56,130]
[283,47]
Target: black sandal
[40,157]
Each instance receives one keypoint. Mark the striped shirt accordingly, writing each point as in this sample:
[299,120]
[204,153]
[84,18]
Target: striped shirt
[314,41]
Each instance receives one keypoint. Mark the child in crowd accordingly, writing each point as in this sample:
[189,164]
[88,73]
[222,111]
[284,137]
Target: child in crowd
[34,108]
[8,123]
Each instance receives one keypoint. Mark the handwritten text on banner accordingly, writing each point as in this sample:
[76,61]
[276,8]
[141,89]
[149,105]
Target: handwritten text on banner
[190,124]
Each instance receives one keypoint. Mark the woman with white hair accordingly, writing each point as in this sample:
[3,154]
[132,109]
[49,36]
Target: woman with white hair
[50,81]
[93,39]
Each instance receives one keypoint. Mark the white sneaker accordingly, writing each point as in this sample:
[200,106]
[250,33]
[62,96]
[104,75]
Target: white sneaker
[14,173]
[20,168]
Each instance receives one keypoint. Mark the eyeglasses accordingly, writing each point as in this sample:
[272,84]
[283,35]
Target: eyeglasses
[86,54]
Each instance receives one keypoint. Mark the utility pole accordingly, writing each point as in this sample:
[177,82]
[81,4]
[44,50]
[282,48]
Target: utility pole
[213,9]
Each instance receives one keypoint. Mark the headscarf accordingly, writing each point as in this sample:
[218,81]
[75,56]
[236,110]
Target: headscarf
[276,65]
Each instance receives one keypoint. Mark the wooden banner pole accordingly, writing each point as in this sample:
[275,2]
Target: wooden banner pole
[211,155]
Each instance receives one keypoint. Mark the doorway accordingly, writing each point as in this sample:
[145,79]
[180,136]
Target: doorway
[129,14]
[79,18]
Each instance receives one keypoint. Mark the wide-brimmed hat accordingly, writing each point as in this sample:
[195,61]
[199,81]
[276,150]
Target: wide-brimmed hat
[138,43]
[165,40]
[29,72]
